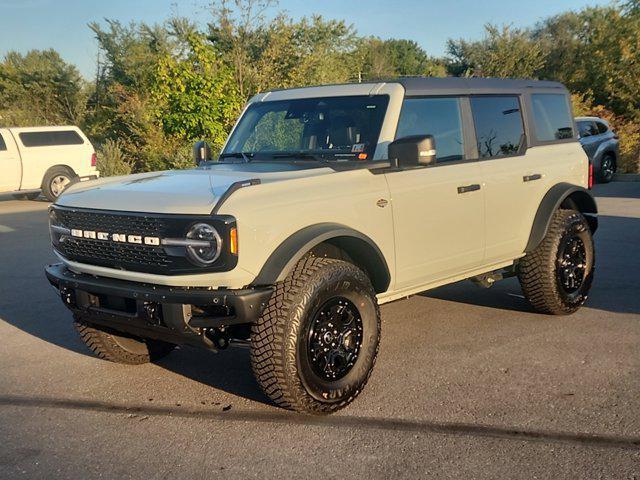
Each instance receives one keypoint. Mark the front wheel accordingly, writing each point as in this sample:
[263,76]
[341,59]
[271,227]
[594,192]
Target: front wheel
[557,275]
[316,342]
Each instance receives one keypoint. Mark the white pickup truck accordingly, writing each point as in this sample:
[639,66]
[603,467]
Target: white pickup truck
[44,159]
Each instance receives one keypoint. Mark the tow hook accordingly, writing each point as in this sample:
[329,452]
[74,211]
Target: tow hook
[219,337]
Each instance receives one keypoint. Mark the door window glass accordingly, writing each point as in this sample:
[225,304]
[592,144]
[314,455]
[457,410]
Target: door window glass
[499,128]
[439,117]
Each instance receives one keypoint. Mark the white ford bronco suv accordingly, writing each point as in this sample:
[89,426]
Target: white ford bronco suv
[44,159]
[325,203]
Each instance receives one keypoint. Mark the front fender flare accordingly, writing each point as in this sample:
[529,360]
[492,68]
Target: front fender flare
[284,258]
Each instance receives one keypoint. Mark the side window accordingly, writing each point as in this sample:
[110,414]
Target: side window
[3,146]
[602,127]
[551,117]
[587,128]
[498,122]
[439,117]
[51,138]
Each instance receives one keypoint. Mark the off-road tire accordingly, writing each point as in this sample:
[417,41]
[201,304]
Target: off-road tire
[277,339]
[51,175]
[539,271]
[119,348]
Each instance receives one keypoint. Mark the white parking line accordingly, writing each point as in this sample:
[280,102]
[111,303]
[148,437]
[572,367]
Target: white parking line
[5,229]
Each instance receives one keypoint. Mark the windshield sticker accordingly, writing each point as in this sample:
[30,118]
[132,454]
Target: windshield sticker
[357,148]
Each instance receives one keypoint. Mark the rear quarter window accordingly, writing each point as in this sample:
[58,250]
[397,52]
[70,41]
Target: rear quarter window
[552,117]
[3,146]
[602,127]
[50,139]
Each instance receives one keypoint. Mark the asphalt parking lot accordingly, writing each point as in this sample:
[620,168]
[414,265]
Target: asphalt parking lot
[469,384]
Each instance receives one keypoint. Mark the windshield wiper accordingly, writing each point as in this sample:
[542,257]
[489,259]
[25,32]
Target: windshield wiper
[247,157]
[302,156]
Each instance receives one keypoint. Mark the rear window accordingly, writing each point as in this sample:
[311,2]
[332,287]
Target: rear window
[3,146]
[552,117]
[49,139]
[499,129]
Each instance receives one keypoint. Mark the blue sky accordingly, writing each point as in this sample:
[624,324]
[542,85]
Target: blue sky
[62,24]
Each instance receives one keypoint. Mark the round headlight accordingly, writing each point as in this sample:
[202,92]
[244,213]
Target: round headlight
[206,246]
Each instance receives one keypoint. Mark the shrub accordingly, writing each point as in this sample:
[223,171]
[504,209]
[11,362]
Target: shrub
[112,159]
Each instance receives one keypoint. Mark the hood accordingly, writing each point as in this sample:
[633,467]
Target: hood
[177,191]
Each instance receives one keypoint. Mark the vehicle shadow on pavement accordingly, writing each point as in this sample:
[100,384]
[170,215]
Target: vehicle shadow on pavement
[615,288]
[228,370]
[512,433]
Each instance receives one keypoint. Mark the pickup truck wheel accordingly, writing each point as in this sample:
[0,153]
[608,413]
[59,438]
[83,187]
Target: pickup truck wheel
[315,345]
[56,181]
[557,275]
[120,348]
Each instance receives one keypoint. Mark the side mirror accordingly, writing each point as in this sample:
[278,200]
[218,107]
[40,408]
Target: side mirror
[413,151]
[201,152]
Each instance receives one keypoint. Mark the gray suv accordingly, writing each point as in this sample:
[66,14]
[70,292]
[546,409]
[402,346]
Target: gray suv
[601,144]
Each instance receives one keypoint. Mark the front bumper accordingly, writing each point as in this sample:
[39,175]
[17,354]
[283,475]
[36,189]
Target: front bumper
[174,314]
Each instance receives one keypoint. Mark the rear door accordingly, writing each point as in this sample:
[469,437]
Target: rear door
[517,181]
[501,144]
[10,167]
[438,210]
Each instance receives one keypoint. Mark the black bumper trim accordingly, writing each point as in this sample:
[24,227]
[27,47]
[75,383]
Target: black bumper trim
[247,304]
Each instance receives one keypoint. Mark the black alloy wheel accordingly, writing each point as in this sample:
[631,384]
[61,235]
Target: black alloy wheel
[334,339]
[571,264]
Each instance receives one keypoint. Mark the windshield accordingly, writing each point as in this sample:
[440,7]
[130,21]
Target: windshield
[328,128]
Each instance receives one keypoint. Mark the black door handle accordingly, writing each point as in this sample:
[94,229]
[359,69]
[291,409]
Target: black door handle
[469,188]
[530,178]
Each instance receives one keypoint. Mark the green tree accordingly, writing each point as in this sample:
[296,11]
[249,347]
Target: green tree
[196,96]
[40,88]
[503,53]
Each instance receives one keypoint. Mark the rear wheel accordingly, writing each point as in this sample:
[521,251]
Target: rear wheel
[56,181]
[607,168]
[557,275]
[119,347]
[316,342]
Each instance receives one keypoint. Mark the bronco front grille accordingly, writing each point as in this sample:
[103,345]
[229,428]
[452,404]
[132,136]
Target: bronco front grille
[126,255]
[111,254]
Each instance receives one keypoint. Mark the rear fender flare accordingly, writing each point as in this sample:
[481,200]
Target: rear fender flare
[562,195]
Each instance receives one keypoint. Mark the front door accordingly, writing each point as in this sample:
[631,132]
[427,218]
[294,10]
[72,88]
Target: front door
[438,211]
[9,163]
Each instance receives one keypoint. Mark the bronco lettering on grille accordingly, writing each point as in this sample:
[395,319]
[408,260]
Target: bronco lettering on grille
[115,237]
